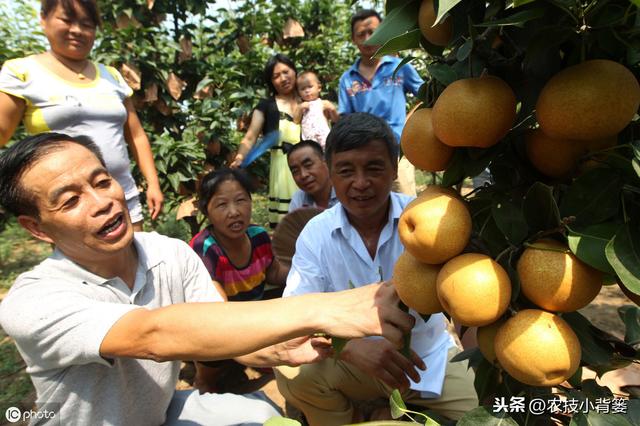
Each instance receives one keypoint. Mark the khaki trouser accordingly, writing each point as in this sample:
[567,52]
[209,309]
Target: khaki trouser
[406,181]
[324,391]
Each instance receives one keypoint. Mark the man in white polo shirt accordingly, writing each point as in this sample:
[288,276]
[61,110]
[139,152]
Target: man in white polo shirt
[352,244]
[104,321]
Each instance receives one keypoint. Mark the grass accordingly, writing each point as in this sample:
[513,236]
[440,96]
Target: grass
[18,253]
[16,389]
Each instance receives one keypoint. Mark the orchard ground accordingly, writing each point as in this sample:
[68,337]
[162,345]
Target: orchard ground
[20,252]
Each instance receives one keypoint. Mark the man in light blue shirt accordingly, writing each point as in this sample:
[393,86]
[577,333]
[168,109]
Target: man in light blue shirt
[353,244]
[370,86]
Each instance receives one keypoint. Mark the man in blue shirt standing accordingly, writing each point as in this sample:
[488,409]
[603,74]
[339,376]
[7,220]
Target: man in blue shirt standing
[369,86]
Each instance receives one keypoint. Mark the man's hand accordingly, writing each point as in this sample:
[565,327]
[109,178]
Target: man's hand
[371,310]
[304,350]
[380,359]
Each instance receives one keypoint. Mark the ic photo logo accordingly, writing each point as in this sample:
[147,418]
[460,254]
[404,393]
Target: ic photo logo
[13,414]
[42,415]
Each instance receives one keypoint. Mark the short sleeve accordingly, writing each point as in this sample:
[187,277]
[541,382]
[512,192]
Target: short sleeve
[196,279]
[128,91]
[306,275]
[412,80]
[14,78]
[206,252]
[269,108]
[56,328]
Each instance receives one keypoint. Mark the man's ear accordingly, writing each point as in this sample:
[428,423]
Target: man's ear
[32,225]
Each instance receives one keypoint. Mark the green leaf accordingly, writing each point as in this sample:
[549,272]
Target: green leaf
[630,315]
[518,19]
[483,416]
[593,418]
[540,209]
[486,380]
[594,197]
[338,344]
[595,351]
[281,421]
[442,73]
[589,243]
[455,171]
[408,40]
[402,63]
[203,83]
[465,50]
[593,390]
[510,220]
[444,6]
[576,379]
[397,22]
[465,354]
[518,3]
[397,405]
[623,253]
[636,165]
[633,411]
[636,147]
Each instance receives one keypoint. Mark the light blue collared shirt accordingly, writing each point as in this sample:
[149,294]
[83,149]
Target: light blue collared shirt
[330,253]
[301,199]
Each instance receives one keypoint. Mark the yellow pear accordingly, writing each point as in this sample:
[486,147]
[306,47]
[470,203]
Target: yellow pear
[474,112]
[537,348]
[555,279]
[440,34]
[420,145]
[474,289]
[592,100]
[435,227]
[486,336]
[415,283]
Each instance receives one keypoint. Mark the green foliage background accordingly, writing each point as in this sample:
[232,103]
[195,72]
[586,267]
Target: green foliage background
[222,73]
[597,212]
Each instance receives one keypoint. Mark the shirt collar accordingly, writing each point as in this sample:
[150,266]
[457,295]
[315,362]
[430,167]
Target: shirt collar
[354,68]
[148,257]
[342,220]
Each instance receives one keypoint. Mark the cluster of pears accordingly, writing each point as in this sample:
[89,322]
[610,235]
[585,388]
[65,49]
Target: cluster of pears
[535,346]
[470,112]
[580,111]
[432,275]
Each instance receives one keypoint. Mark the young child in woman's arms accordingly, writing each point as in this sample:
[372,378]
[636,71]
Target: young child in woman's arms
[313,113]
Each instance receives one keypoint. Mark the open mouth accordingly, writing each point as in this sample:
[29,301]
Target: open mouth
[111,226]
[236,226]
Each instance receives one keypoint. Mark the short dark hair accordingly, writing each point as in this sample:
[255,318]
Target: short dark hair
[315,146]
[90,7]
[21,156]
[361,15]
[278,58]
[356,130]
[212,181]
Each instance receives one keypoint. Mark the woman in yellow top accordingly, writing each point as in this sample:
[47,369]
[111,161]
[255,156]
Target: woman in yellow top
[276,114]
[61,90]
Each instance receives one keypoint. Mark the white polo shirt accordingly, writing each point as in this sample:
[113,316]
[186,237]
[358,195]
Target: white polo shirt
[59,313]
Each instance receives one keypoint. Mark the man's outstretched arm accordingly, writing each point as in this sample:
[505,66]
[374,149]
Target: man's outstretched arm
[209,331]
